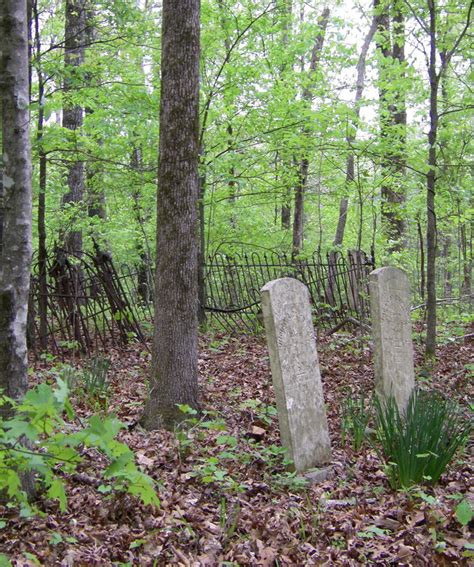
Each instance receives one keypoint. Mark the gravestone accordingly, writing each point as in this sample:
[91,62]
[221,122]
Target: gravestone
[295,373]
[391,331]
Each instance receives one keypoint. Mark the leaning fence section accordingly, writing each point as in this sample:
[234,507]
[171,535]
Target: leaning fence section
[338,287]
[84,302]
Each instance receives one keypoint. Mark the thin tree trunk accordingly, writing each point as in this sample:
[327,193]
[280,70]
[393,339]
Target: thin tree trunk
[298,219]
[286,11]
[174,364]
[431,243]
[144,273]
[303,166]
[350,169]
[422,259]
[466,254]
[15,199]
[42,252]
[202,253]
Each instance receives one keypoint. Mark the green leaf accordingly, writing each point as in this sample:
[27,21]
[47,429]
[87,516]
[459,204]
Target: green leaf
[56,538]
[184,408]
[464,512]
[56,491]
[4,561]
[118,465]
[227,440]
[18,427]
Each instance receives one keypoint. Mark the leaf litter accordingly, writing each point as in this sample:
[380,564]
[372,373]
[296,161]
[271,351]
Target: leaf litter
[226,495]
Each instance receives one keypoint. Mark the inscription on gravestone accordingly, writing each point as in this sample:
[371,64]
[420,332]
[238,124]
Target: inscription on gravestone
[391,330]
[295,372]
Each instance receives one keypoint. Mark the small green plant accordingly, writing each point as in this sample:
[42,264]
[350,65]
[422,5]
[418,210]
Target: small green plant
[464,512]
[371,532]
[419,444]
[36,440]
[291,481]
[94,378]
[264,413]
[355,419]
[68,374]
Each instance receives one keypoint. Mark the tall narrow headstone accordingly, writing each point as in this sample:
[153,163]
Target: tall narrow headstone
[391,331]
[295,372]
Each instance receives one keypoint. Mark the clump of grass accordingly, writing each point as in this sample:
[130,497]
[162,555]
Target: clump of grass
[355,419]
[94,377]
[419,444]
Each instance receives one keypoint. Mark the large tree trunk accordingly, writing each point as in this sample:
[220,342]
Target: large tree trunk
[392,121]
[174,365]
[15,199]
[75,28]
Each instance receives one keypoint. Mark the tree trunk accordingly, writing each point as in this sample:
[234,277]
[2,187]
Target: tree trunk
[392,120]
[350,169]
[144,272]
[422,259]
[42,252]
[466,254]
[431,244]
[303,166]
[15,199]
[298,219]
[286,15]
[174,365]
[95,186]
[202,293]
[75,27]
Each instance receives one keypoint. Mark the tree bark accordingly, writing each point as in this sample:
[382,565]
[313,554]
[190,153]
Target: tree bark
[42,252]
[15,199]
[392,120]
[75,28]
[174,377]
[431,244]
[422,259]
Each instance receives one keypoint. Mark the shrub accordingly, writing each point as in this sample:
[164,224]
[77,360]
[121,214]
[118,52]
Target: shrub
[419,444]
[37,439]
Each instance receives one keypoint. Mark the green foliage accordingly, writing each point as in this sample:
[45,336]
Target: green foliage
[37,440]
[355,419]
[92,381]
[94,377]
[419,445]
[464,512]
[266,414]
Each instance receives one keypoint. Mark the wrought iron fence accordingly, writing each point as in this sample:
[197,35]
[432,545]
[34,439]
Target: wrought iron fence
[338,286]
[88,303]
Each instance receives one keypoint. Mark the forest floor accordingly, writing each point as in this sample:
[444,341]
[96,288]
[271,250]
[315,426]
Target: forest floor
[226,497]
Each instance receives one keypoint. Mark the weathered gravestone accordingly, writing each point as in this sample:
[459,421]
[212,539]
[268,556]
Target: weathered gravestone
[391,331]
[295,372]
